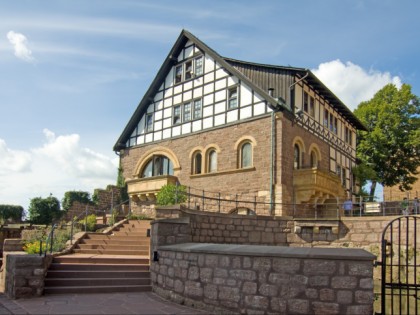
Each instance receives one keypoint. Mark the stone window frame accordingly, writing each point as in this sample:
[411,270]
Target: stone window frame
[315,151]
[208,151]
[193,157]
[239,147]
[157,151]
[299,144]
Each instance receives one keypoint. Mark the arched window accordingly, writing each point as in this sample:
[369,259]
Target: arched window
[314,159]
[197,160]
[158,165]
[212,161]
[246,155]
[296,157]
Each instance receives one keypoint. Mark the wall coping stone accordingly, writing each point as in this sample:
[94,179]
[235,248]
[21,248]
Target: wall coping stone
[182,220]
[272,251]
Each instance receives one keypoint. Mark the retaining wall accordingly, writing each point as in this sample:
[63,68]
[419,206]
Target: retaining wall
[250,279]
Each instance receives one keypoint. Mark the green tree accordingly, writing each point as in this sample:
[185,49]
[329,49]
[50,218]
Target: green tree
[44,210]
[121,184]
[11,212]
[71,196]
[390,151]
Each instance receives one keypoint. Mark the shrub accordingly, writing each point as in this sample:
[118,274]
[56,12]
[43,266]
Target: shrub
[171,194]
[11,212]
[90,222]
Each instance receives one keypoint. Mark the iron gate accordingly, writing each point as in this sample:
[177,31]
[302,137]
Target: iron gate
[400,291]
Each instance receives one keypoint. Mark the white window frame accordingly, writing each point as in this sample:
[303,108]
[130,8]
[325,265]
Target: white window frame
[233,97]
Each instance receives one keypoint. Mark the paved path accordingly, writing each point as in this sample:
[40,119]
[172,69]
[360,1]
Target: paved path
[103,303]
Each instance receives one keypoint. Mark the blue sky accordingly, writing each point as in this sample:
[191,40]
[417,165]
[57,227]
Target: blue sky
[73,72]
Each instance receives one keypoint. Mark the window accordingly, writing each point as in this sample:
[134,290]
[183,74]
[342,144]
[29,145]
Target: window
[199,66]
[305,101]
[187,112]
[233,98]
[149,122]
[197,109]
[331,122]
[343,178]
[189,69]
[314,160]
[158,165]
[335,129]
[246,155]
[312,107]
[178,74]
[177,115]
[197,163]
[326,115]
[212,161]
[296,157]
[348,135]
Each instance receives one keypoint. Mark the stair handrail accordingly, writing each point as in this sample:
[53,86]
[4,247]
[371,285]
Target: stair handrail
[76,218]
[50,240]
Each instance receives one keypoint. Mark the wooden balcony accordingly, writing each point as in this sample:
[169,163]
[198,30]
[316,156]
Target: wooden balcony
[145,189]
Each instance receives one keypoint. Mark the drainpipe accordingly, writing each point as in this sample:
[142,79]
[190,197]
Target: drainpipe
[273,142]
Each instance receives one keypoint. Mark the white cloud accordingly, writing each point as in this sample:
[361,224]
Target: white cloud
[13,161]
[19,43]
[351,83]
[61,164]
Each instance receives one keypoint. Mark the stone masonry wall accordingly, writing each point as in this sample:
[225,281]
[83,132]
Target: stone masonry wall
[24,274]
[265,279]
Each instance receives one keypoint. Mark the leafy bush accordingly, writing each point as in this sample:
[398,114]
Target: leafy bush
[171,194]
[11,212]
[90,222]
[44,210]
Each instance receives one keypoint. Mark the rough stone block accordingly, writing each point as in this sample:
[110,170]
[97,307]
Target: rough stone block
[278,305]
[247,262]
[325,308]
[359,310]
[20,282]
[179,286]
[366,283]
[319,267]
[247,275]
[255,236]
[286,265]
[363,297]
[257,301]
[344,282]
[39,272]
[279,278]
[193,273]
[261,263]
[224,261]
[206,275]
[211,260]
[22,292]
[36,282]
[298,306]
[360,269]
[344,297]
[229,293]
[210,291]
[319,281]
[193,289]
[311,293]
[268,290]
[249,288]
[326,294]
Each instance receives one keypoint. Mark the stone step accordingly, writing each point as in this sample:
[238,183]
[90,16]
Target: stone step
[128,233]
[114,247]
[103,259]
[110,273]
[145,242]
[110,251]
[97,267]
[122,237]
[101,282]
[97,289]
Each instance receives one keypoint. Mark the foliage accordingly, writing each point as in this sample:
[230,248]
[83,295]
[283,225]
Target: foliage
[171,194]
[61,235]
[71,196]
[44,210]
[121,184]
[390,150]
[10,212]
[90,222]
[132,216]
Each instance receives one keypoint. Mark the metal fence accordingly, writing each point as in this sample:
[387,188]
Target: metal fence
[254,204]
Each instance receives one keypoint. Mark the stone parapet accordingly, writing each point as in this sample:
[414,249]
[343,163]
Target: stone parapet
[249,279]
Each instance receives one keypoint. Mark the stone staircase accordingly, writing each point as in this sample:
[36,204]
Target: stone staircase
[118,262]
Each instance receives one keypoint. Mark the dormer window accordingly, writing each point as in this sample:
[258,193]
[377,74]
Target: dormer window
[178,74]
[188,70]
[149,122]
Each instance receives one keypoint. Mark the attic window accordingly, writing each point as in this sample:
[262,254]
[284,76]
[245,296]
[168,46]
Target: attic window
[177,114]
[189,69]
[149,122]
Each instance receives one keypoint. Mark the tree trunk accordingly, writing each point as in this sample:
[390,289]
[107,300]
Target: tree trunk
[372,190]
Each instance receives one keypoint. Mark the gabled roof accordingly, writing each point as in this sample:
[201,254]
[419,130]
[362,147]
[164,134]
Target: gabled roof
[273,103]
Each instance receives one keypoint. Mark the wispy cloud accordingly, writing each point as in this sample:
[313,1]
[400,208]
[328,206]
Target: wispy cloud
[12,161]
[19,42]
[351,83]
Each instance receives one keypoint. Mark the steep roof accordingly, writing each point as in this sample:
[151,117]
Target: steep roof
[228,65]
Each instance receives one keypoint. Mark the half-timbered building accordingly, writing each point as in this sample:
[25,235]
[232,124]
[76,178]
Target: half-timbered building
[234,127]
